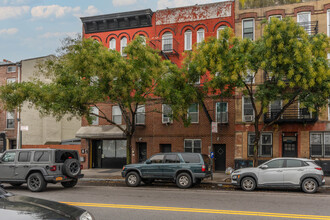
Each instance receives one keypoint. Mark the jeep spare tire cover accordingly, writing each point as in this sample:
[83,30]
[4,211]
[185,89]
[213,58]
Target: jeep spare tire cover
[71,167]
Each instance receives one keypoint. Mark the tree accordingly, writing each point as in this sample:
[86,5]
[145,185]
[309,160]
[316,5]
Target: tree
[294,64]
[86,74]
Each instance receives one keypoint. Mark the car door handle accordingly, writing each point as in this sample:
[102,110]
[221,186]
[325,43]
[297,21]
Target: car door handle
[26,166]
[300,170]
[12,166]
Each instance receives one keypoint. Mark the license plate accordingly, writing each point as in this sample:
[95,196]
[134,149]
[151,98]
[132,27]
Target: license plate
[59,178]
[209,169]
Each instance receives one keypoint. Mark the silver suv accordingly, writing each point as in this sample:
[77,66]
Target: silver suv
[281,172]
[37,167]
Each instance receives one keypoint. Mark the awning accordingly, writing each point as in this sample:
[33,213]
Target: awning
[101,132]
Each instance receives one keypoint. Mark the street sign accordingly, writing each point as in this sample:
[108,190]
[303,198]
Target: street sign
[24,128]
[214,127]
[212,155]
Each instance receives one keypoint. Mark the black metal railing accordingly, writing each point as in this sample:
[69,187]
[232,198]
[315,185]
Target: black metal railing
[310,27]
[167,46]
[291,115]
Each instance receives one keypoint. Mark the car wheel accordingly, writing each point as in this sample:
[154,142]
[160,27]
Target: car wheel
[70,184]
[148,181]
[16,184]
[248,184]
[183,180]
[309,185]
[71,167]
[36,182]
[132,179]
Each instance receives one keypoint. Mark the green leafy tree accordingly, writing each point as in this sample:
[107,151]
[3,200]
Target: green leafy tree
[86,74]
[292,64]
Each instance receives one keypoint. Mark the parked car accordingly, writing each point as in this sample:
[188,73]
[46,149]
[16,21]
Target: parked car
[281,172]
[185,169]
[37,167]
[29,208]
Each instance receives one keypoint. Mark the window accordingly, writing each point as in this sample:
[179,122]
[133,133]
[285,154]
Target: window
[265,145]
[320,144]
[116,115]
[220,29]
[275,164]
[222,112]
[193,113]
[279,17]
[328,25]
[114,148]
[193,146]
[10,120]
[275,107]
[200,35]
[166,114]
[94,81]
[157,158]
[11,69]
[41,156]
[144,39]
[8,157]
[248,29]
[328,109]
[248,112]
[171,158]
[304,20]
[123,45]
[188,40]
[140,115]
[11,80]
[249,78]
[24,156]
[112,44]
[191,158]
[294,163]
[95,119]
[167,42]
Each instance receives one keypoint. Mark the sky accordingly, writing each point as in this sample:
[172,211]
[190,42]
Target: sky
[36,28]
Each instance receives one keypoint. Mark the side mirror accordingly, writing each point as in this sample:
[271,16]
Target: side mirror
[148,161]
[263,167]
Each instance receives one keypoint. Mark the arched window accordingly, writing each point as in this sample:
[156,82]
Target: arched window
[200,35]
[144,39]
[112,44]
[188,40]
[123,45]
[220,29]
[167,42]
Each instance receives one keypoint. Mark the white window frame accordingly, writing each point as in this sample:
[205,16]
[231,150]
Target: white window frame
[114,108]
[275,16]
[309,20]
[243,102]
[200,35]
[193,145]
[167,36]
[11,67]
[11,80]
[322,144]
[95,120]
[140,112]
[188,40]
[144,39]
[189,113]
[10,116]
[248,19]
[112,44]
[166,119]
[216,113]
[249,75]
[260,144]
[123,45]
[219,29]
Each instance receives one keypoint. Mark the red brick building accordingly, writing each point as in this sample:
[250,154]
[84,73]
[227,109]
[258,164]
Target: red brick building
[172,31]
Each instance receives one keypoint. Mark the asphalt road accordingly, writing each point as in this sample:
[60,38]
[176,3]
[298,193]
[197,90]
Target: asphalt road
[169,202]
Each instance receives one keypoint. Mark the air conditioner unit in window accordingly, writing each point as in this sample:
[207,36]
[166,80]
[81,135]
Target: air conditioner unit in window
[166,120]
[248,118]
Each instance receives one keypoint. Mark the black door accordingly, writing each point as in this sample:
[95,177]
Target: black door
[220,157]
[165,148]
[289,146]
[97,154]
[142,148]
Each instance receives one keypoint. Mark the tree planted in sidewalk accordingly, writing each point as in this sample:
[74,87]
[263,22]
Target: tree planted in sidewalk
[87,75]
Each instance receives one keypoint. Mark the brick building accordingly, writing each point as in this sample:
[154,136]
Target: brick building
[298,133]
[172,31]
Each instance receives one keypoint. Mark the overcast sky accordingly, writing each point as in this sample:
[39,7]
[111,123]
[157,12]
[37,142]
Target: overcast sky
[34,28]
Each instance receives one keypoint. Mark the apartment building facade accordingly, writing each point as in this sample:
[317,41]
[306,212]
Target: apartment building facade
[298,133]
[172,32]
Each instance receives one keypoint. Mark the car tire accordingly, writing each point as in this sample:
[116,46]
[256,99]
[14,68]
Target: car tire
[71,167]
[309,185]
[248,184]
[148,182]
[36,182]
[70,184]
[16,184]
[183,180]
[133,179]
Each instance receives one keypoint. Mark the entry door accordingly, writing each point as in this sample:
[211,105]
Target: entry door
[97,153]
[220,157]
[289,146]
[7,166]
[142,148]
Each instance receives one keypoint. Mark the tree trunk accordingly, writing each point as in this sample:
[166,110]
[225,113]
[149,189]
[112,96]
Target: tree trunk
[256,147]
[128,149]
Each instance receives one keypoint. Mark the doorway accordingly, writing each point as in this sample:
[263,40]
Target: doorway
[289,146]
[97,154]
[219,157]
[142,148]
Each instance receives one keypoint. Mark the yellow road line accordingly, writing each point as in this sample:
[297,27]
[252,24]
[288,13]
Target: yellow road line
[211,211]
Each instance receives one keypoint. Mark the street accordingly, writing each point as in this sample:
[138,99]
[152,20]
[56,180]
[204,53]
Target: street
[159,202]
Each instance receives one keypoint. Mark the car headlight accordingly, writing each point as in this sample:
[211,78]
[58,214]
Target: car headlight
[86,216]
[235,177]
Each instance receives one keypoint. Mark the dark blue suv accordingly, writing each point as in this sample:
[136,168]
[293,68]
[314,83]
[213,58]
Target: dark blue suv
[185,169]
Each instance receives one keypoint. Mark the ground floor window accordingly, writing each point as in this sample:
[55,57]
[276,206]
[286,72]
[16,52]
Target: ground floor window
[320,144]
[193,145]
[265,144]
[114,148]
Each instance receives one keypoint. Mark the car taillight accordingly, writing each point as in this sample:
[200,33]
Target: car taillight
[318,168]
[53,168]
[203,168]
